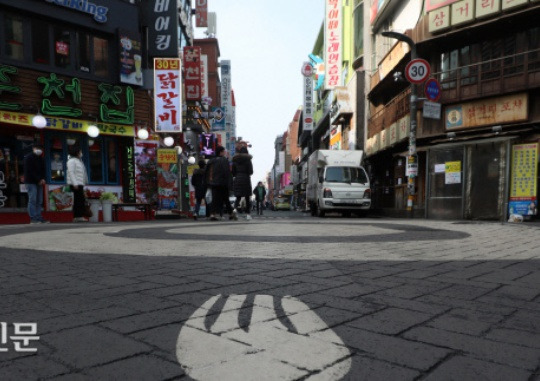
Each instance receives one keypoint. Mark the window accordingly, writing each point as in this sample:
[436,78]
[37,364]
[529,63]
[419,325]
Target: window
[62,47]
[83,52]
[358,29]
[101,57]
[14,38]
[533,36]
[57,160]
[345,175]
[40,42]
[95,158]
[100,155]
[491,52]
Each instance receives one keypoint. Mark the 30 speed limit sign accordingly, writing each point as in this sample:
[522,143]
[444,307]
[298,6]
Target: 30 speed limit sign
[417,71]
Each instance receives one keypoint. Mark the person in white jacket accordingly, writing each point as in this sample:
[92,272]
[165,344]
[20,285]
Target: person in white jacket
[77,179]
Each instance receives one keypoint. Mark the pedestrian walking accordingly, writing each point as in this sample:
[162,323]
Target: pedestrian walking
[242,169]
[260,195]
[34,180]
[198,180]
[77,179]
[218,175]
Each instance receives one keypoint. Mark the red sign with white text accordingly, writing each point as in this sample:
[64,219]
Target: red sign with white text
[192,73]
[201,13]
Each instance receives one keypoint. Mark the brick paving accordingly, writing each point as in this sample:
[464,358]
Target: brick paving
[372,299]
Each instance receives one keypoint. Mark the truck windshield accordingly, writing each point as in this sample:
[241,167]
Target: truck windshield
[345,175]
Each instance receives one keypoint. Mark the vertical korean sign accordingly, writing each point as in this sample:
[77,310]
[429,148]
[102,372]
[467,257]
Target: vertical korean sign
[161,16]
[168,95]
[523,187]
[204,76]
[332,44]
[192,67]
[307,72]
[128,176]
[167,160]
[201,12]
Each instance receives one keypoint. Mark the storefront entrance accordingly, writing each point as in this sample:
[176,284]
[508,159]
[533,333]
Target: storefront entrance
[468,180]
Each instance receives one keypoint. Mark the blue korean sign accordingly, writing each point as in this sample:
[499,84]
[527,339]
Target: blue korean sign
[218,123]
[432,90]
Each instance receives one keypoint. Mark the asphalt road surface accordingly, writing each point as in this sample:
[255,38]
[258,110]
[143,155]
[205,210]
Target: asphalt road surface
[285,296]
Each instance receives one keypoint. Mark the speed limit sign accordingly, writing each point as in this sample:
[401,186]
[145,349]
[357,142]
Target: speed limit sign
[417,71]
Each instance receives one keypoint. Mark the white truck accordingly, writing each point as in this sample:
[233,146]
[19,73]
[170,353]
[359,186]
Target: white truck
[337,182]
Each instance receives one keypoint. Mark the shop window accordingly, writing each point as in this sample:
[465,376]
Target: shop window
[83,52]
[101,57]
[14,37]
[358,28]
[62,47]
[112,162]
[40,42]
[95,158]
[57,160]
[533,38]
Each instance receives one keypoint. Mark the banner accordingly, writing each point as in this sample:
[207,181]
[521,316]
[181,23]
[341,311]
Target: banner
[167,178]
[201,13]
[204,76]
[168,95]
[523,186]
[146,171]
[130,57]
[332,44]
[192,70]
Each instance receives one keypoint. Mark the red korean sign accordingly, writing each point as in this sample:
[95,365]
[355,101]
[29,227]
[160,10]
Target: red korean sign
[333,44]
[201,12]
[168,95]
[192,73]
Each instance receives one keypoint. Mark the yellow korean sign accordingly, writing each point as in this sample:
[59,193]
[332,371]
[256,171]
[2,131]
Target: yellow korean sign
[66,124]
[452,166]
[167,156]
[524,170]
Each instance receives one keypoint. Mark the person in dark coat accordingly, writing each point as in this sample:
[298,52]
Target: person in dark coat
[218,174]
[260,195]
[34,180]
[198,180]
[242,169]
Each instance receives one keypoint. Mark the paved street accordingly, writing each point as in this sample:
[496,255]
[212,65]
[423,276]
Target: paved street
[283,297]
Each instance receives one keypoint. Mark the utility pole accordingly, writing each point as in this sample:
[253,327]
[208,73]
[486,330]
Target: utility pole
[413,157]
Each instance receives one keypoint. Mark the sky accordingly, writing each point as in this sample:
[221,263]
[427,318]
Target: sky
[266,41]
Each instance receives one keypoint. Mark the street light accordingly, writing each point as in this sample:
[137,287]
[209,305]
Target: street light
[413,109]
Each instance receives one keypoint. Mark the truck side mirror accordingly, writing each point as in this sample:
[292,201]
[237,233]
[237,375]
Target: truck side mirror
[321,179]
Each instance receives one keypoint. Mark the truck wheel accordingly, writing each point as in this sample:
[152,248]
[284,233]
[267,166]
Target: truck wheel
[320,212]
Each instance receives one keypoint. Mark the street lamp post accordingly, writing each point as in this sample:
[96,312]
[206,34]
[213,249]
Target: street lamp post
[411,185]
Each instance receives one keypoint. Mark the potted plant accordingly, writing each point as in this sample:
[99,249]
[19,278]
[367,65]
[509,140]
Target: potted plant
[107,199]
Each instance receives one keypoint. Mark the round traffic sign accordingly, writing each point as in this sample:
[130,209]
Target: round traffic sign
[307,69]
[432,90]
[417,71]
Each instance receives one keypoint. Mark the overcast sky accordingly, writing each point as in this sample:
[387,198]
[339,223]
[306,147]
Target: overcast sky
[266,41]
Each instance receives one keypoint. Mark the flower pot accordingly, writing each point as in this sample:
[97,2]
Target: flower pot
[95,205]
[107,210]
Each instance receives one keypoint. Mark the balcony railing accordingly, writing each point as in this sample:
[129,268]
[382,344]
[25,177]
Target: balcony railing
[507,74]
[513,73]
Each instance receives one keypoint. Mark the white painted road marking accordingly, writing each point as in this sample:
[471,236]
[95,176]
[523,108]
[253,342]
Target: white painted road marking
[283,340]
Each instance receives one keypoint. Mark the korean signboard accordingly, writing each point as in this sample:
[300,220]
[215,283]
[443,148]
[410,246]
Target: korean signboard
[446,13]
[167,178]
[226,83]
[218,123]
[162,20]
[128,177]
[308,97]
[168,95]
[192,80]
[207,144]
[204,76]
[332,46]
[201,13]
[335,138]
[523,179]
[130,58]
[507,109]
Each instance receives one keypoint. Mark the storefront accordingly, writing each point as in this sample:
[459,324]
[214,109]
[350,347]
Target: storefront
[79,67]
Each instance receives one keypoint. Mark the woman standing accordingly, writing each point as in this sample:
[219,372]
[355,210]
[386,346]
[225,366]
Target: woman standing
[242,169]
[77,179]
[198,180]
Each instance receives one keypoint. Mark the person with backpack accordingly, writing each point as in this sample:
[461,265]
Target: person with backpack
[198,180]
[218,175]
[242,169]
[260,195]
